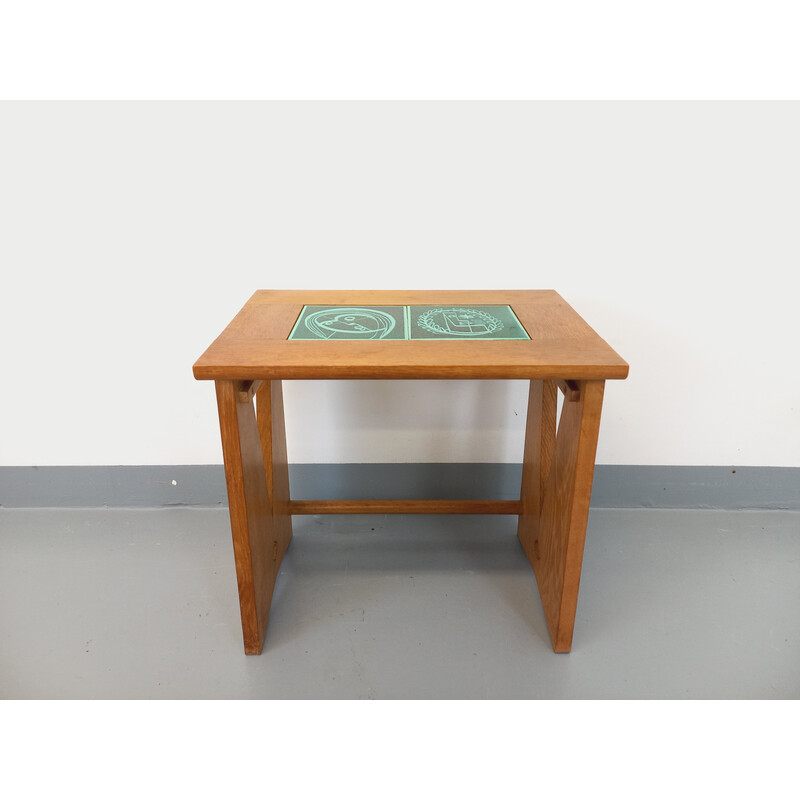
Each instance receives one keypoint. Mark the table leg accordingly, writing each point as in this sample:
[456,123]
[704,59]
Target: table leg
[557,473]
[257,477]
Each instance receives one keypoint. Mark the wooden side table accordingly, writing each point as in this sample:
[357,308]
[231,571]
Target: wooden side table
[531,335]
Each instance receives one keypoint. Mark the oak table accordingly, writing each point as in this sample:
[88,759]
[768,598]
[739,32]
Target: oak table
[530,335]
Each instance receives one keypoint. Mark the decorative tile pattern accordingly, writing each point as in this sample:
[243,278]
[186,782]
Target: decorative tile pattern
[408,322]
[464,322]
[351,322]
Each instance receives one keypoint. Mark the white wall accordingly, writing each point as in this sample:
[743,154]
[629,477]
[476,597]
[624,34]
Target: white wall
[131,233]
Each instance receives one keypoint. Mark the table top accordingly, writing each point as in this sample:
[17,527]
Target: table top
[342,334]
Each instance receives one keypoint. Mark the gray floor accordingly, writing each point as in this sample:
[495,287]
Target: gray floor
[118,603]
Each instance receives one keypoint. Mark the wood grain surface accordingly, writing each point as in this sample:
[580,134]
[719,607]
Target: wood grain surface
[259,540]
[554,544]
[404,507]
[540,439]
[252,355]
[255,345]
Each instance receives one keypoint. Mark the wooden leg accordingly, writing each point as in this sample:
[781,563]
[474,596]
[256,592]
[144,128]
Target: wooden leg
[556,488]
[258,493]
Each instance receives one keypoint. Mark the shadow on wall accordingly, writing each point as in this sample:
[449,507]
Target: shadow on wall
[419,421]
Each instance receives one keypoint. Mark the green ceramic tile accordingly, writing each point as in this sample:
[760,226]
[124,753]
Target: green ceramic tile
[350,322]
[407,322]
[464,322]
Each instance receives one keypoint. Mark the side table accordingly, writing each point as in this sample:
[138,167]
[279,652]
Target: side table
[411,335]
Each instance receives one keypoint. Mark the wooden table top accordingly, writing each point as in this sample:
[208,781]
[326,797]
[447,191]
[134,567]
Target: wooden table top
[256,344]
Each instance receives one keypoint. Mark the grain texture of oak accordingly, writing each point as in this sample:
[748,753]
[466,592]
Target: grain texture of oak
[540,438]
[259,542]
[555,546]
[272,433]
[255,344]
[252,356]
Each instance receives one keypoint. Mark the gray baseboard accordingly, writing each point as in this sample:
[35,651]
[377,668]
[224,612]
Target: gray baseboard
[615,486]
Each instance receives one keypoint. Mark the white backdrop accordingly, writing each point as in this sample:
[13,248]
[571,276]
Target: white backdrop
[130,234]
